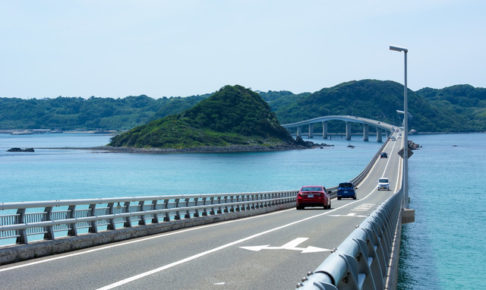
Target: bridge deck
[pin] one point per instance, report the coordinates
(212, 256)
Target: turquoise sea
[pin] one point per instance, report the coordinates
(51, 174)
(444, 249)
(446, 246)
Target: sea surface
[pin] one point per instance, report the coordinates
(53, 174)
(444, 249)
(446, 246)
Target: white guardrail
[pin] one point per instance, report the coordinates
(48, 220)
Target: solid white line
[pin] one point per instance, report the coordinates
(399, 175)
(188, 259)
(388, 159)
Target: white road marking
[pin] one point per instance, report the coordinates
(363, 207)
(349, 215)
(291, 246)
(219, 283)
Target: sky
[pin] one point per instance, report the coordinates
(118, 48)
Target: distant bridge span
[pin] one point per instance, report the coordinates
(345, 118)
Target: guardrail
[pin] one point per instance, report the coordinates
(361, 261)
(48, 220)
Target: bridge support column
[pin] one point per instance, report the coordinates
(365, 132)
(299, 133)
(324, 130)
(311, 130)
(378, 135)
(348, 131)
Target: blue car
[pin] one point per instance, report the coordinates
(346, 190)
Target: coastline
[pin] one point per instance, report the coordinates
(204, 149)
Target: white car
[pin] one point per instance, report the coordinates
(383, 183)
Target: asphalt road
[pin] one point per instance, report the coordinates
(271, 251)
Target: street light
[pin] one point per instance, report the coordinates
(405, 124)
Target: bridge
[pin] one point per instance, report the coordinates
(348, 120)
(227, 241)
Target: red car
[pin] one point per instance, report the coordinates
(313, 195)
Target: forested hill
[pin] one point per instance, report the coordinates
(463, 101)
(377, 100)
(460, 108)
(94, 113)
(233, 115)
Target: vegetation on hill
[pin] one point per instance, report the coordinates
(465, 102)
(233, 115)
(93, 113)
(376, 100)
(460, 108)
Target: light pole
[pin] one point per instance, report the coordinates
(405, 125)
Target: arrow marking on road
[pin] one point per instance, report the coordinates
(292, 246)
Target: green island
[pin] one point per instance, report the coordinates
(232, 119)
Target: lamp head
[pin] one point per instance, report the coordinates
(400, 49)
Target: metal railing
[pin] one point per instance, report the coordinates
(361, 260)
(23, 222)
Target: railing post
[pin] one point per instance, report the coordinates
(233, 207)
(22, 238)
(73, 231)
(205, 212)
(141, 222)
(49, 234)
(93, 226)
(155, 218)
(177, 215)
(196, 211)
(220, 210)
(212, 203)
(166, 206)
(128, 219)
(188, 213)
(111, 223)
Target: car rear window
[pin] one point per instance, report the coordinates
(383, 180)
(347, 184)
(316, 188)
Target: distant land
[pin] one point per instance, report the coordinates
(459, 108)
(233, 117)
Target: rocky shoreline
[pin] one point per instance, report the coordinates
(204, 149)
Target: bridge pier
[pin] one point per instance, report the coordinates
(378, 135)
(365, 132)
(348, 131)
(324, 130)
(311, 129)
(299, 133)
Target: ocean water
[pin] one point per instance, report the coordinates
(52, 174)
(446, 246)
